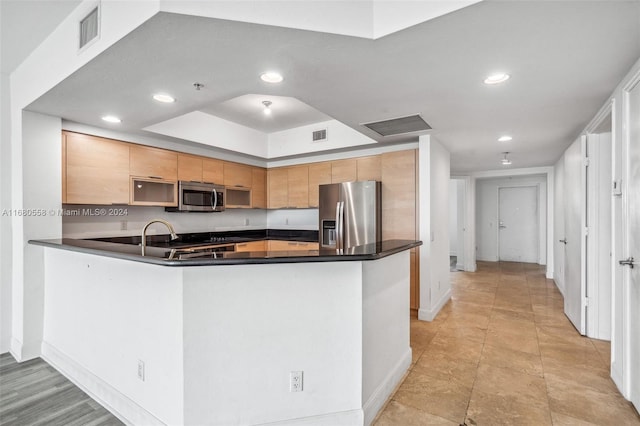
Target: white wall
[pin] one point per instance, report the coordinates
(35, 155)
(558, 223)
(461, 228)
(5, 220)
(40, 145)
(434, 177)
(298, 141)
(487, 214)
(453, 217)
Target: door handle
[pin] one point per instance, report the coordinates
(627, 262)
(563, 241)
(502, 226)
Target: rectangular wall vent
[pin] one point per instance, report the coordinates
(89, 28)
(319, 135)
(399, 126)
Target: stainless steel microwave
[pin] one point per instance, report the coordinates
(199, 197)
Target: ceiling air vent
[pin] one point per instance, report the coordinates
(89, 28)
(399, 126)
(319, 135)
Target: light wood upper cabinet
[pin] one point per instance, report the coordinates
(343, 170)
(237, 175)
(277, 188)
(189, 168)
(369, 168)
(298, 187)
(213, 171)
(258, 188)
(399, 195)
(97, 170)
(319, 174)
(153, 162)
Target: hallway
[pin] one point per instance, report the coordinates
(503, 352)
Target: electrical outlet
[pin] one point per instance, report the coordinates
(141, 370)
(123, 225)
(286, 221)
(246, 221)
(295, 381)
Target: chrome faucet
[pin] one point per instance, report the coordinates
(174, 236)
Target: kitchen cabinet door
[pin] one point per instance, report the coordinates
(369, 168)
(414, 274)
(343, 171)
(252, 246)
(97, 170)
(298, 187)
(277, 183)
(213, 171)
(189, 168)
(399, 195)
(64, 167)
(153, 162)
(319, 174)
(237, 175)
(258, 188)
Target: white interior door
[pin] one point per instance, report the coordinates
(574, 211)
(632, 246)
(518, 224)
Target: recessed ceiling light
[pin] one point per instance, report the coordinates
(111, 119)
(504, 138)
(497, 78)
(163, 97)
(271, 77)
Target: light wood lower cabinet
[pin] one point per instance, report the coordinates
(252, 246)
(414, 280)
(282, 245)
(97, 170)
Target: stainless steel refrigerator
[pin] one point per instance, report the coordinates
(349, 214)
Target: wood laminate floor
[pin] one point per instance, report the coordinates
(502, 352)
(34, 393)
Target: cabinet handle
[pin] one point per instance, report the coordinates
(154, 177)
(242, 245)
(292, 244)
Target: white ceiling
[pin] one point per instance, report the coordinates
(565, 59)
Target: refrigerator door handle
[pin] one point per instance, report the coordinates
(338, 225)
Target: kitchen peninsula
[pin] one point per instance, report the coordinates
(251, 337)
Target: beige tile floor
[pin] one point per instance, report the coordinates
(502, 352)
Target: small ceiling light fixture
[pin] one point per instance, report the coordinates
(267, 107)
(198, 86)
(497, 78)
(271, 77)
(505, 161)
(504, 138)
(163, 97)
(111, 119)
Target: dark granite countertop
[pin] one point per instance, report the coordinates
(161, 254)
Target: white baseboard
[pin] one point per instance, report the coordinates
(379, 397)
(430, 314)
(24, 352)
(342, 418)
(460, 266)
(116, 402)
